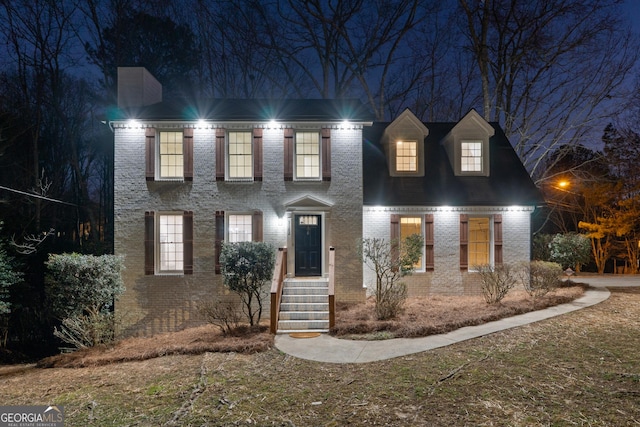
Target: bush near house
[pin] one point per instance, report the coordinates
(540, 277)
(496, 281)
(80, 291)
(246, 268)
(390, 261)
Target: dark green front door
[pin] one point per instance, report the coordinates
(308, 235)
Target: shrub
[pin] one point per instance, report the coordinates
(390, 261)
(496, 281)
(540, 277)
(224, 315)
(81, 290)
(570, 250)
(246, 267)
(87, 330)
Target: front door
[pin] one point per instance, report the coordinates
(308, 245)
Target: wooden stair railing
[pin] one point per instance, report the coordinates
(332, 287)
(279, 273)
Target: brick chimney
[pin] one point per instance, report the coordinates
(137, 88)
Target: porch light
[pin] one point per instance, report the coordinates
(272, 124)
(133, 123)
(201, 124)
(345, 124)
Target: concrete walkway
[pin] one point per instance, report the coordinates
(326, 348)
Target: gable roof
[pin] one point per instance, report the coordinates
(509, 183)
(230, 110)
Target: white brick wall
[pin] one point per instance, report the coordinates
(446, 277)
(154, 304)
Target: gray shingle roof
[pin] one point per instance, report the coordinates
(291, 110)
(508, 184)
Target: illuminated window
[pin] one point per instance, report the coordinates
(240, 228)
(471, 156)
(307, 148)
(171, 155)
(407, 156)
(410, 226)
(171, 244)
(240, 155)
(479, 241)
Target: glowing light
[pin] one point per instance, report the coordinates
(273, 124)
(563, 184)
(201, 124)
(345, 124)
(133, 123)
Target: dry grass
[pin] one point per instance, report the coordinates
(440, 314)
(422, 317)
(578, 369)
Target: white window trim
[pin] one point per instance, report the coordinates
(227, 227)
(491, 242)
(422, 267)
(295, 155)
(227, 160)
(157, 252)
(158, 160)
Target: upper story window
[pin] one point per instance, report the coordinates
(171, 154)
(240, 228)
(240, 155)
(307, 149)
(407, 156)
(471, 156)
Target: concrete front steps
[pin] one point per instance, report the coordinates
(304, 306)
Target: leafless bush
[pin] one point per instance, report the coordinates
(224, 315)
(540, 277)
(496, 281)
(390, 300)
(87, 330)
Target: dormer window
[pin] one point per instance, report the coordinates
(467, 145)
(403, 141)
(471, 156)
(407, 156)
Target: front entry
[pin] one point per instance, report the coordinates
(308, 235)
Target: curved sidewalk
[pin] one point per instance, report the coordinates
(326, 348)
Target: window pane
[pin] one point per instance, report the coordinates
(240, 228)
(407, 156)
(171, 243)
(171, 157)
(408, 227)
(307, 155)
(471, 157)
(479, 241)
(240, 156)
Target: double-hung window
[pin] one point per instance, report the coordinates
(406, 156)
(471, 156)
(240, 155)
(240, 228)
(171, 155)
(410, 225)
(168, 242)
(479, 241)
(307, 149)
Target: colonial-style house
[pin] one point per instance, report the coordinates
(312, 177)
